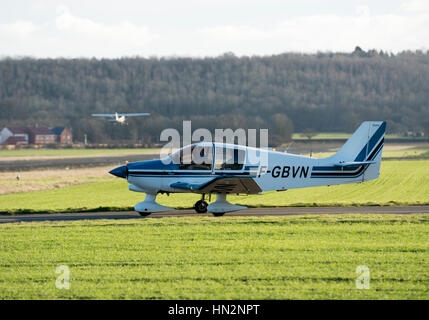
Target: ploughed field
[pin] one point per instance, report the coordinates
(298, 257)
(402, 182)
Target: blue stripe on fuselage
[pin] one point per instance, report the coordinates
(318, 172)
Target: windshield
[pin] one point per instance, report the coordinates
(194, 157)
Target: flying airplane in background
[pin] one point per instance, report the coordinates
(208, 168)
(119, 117)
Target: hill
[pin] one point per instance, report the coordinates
(289, 92)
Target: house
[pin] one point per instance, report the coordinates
(41, 135)
(16, 140)
(63, 134)
(14, 135)
(35, 135)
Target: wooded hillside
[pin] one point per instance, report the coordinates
(284, 93)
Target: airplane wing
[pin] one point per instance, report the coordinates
(112, 115)
(105, 115)
(230, 184)
(134, 114)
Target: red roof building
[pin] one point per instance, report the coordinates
(35, 135)
(64, 135)
(16, 140)
(41, 135)
(8, 132)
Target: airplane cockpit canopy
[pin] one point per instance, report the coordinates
(194, 157)
(229, 158)
(206, 155)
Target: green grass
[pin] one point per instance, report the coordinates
(340, 135)
(412, 152)
(407, 153)
(73, 152)
(306, 257)
(400, 183)
(322, 135)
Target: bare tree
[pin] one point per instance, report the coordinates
(309, 133)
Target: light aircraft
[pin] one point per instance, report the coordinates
(358, 160)
(119, 117)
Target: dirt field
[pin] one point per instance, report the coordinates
(38, 180)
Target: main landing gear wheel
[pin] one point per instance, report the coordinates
(144, 214)
(218, 214)
(201, 206)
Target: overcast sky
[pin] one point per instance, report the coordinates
(106, 28)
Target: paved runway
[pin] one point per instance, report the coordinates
(191, 213)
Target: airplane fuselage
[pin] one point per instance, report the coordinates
(221, 169)
(283, 171)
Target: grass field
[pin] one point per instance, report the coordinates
(338, 135)
(307, 257)
(404, 182)
(389, 151)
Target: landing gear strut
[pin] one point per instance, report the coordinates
(149, 205)
(201, 205)
(220, 206)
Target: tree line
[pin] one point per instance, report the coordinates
(327, 92)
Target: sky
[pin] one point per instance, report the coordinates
(198, 28)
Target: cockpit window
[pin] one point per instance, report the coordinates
(229, 158)
(194, 157)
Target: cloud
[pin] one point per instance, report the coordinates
(413, 6)
(124, 37)
(327, 32)
(70, 36)
(18, 29)
(64, 33)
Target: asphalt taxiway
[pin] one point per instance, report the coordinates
(254, 212)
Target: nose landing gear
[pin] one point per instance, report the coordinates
(149, 205)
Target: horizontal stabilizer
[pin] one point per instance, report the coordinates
(353, 163)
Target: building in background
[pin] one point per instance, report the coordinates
(41, 135)
(35, 135)
(14, 135)
(64, 135)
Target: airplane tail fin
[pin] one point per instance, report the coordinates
(363, 148)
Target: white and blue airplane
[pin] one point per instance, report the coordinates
(120, 118)
(357, 161)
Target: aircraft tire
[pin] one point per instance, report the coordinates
(218, 214)
(201, 206)
(144, 214)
